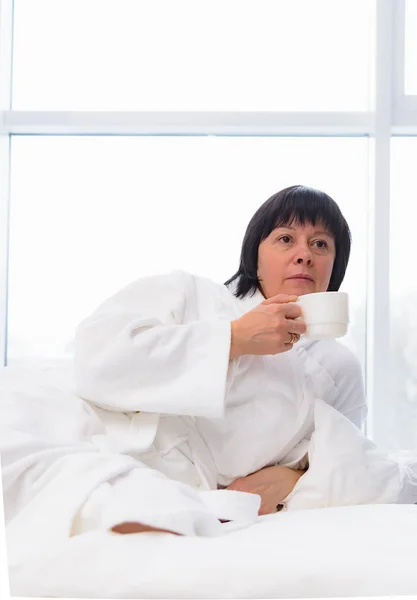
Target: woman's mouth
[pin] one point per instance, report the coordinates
(302, 278)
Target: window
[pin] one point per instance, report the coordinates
(160, 55)
(411, 47)
(124, 120)
(134, 206)
(398, 416)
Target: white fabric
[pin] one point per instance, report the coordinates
(346, 468)
(58, 485)
(334, 552)
(161, 345)
(53, 471)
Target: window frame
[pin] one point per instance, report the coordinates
(404, 105)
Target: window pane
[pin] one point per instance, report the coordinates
(397, 421)
(411, 47)
(186, 55)
(91, 214)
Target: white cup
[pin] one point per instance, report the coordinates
(326, 314)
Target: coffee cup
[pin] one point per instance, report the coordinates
(326, 314)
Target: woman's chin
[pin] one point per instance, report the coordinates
(299, 288)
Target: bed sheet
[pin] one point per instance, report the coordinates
(343, 551)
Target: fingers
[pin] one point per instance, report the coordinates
(296, 326)
(235, 485)
(290, 323)
(289, 310)
(293, 339)
(280, 299)
(292, 311)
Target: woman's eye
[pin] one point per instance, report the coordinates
(321, 244)
(285, 238)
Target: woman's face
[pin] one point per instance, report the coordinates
(296, 259)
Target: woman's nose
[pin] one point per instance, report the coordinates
(301, 261)
(303, 256)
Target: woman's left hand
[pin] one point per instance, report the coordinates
(273, 484)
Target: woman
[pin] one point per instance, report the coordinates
(213, 378)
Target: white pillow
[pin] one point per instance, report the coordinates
(346, 468)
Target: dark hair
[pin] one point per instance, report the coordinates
(295, 204)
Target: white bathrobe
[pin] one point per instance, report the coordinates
(161, 346)
(158, 418)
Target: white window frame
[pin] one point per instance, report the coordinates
(6, 43)
(404, 106)
(394, 113)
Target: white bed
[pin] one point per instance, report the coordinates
(347, 551)
(316, 548)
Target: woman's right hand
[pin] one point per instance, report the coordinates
(267, 328)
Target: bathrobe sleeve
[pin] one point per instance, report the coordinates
(350, 400)
(342, 372)
(144, 350)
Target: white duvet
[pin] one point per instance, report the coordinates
(343, 531)
(346, 551)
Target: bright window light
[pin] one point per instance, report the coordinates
(411, 47)
(396, 419)
(91, 214)
(239, 55)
